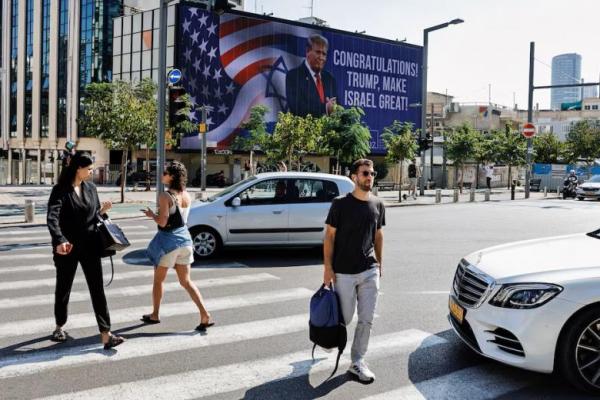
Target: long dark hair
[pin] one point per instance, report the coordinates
(68, 173)
(178, 174)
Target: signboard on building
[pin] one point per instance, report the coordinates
(238, 60)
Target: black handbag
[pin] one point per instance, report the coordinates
(112, 239)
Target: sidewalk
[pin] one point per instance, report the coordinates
(12, 200)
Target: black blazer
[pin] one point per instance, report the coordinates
(301, 91)
(72, 218)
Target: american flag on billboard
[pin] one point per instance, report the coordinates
(232, 63)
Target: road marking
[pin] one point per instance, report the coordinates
(25, 231)
(47, 238)
(43, 299)
(51, 282)
(40, 361)
(470, 383)
(84, 320)
(430, 292)
(29, 246)
(228, 378)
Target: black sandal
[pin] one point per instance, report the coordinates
(59, 336)
(202, 327)
(147, 320)
(113, 341)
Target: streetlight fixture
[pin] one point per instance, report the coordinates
(426, 31)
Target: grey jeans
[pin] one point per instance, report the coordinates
(359, 292)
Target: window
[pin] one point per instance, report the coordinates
(137, 22)
(595, 107)
(587, 107)
(313, 191)
(273, 191)
(147, 25)
(136, 40)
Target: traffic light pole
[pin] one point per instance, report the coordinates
(529, 117)
(431, 148)
(203, 164)
(162, 94)
(423, 109)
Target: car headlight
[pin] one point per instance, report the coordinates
(525, 296)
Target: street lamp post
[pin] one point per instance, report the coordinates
(162, 94)
(424, 88)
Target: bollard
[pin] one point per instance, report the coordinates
(29, 210)
(487, 194)
(438, 195)
(545, 191)
(557, 192)
(472, 195)
(456, 195)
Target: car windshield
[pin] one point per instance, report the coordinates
(595, 179)
(231, 188)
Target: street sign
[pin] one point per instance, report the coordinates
(528, 130)
(174, 76)
(202, 127)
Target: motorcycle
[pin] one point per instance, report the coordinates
(569, 187)
(218, 179)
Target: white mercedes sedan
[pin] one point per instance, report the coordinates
(533, 304)
(271, 209)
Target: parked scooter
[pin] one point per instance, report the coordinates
(570, 185)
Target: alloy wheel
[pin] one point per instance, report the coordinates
(587, 354)
(205, 243)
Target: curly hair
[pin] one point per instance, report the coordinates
(178, 173)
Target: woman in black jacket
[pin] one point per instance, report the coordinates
(73, 211)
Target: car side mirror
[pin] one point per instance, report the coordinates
(236, 202)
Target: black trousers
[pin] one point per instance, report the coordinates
(488, 181)
(66, 266)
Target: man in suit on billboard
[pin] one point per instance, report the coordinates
(309, 88)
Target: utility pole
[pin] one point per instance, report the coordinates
(431, 148)
(529, 117)
(162, 94)
(202, 129)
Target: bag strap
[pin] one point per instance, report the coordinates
(337, 362)
(112, 272)
(313, 351)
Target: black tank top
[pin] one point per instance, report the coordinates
(175, 220)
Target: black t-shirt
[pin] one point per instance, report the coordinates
(356, 222)
(412, 171)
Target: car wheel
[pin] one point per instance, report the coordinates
(206, 242)
(579, 351)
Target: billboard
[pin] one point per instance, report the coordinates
(237, 60)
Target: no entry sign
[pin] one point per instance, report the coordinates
(529, 130)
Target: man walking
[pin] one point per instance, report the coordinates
(353, 249)
(413, 175)
(489, 174)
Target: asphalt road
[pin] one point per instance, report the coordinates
(259, 348)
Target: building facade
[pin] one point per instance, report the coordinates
(566, 69)
(51, 49)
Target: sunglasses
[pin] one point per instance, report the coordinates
(369, 173)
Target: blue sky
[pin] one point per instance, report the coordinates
(491, 47)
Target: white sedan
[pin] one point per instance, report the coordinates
(271, 209)
(589, 189)
(533, 304)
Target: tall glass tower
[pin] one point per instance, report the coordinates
(566, 69)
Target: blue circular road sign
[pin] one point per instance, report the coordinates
(174, 76)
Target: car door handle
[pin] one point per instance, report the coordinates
(277, 212)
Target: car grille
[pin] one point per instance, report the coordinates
(470, 286)
(507, 342)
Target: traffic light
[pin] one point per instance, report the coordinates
(176, 104)
(426, 142)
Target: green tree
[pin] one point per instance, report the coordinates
(461, 146)
(294, 136)
(547, 148)
(120, 114)
(513, 150)
(258, 138)
(583, 142)
(400, 143)
(345, 136)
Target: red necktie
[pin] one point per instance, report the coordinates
(320, 87)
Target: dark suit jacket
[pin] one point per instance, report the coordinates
(73, 219)
(301, 91)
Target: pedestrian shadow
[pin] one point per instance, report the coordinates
(21, 246)
(297, 385)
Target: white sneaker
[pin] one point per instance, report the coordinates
(362, 372)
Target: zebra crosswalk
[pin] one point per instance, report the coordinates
(259, 348)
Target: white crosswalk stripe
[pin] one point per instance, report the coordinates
(51, 282)
(38, 300)
(469, 383)
(49, 247)
(228, 378)
(46, 238)
(133, 314)
(25, 232)
(150, 346)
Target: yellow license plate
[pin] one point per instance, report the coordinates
(457, 311)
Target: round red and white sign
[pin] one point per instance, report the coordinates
(528, 130)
